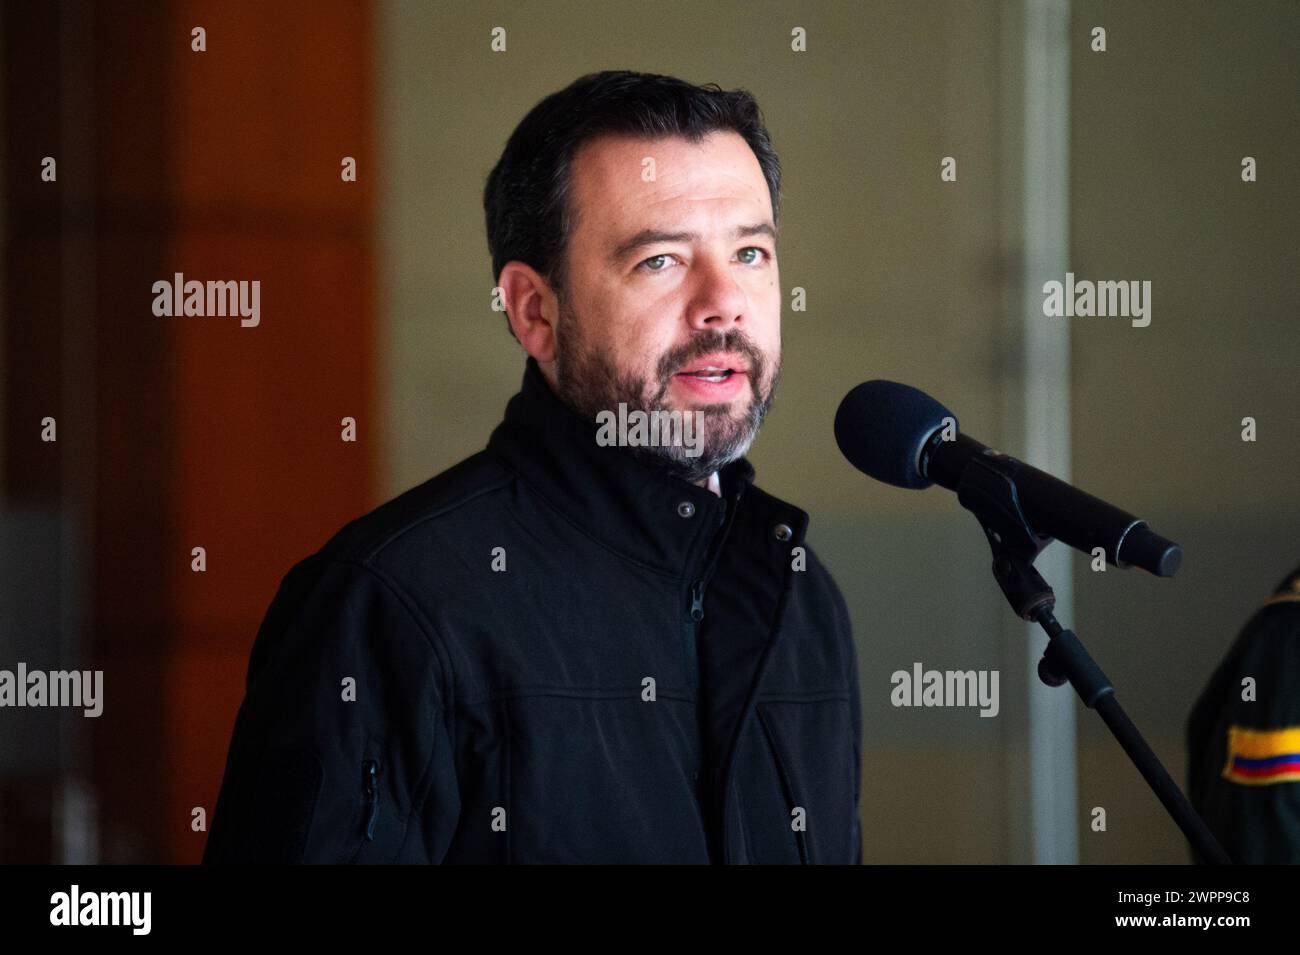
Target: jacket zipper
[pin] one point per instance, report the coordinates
(697, 588)
(370, 774)
(697, 601)
(696, 615)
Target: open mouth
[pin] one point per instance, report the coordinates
(709, 374)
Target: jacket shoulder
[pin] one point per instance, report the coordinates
(1269, 651)
(361, 540)
(824, 581)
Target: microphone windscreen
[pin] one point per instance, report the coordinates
(881, 427)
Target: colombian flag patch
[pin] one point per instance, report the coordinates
(1260, 757)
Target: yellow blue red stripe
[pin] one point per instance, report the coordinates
(1261, 757)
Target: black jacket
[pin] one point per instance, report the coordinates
(1243, 770)
(559, 655)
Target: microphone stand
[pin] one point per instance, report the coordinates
(992, 497)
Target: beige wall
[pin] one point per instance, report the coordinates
(1160, 124)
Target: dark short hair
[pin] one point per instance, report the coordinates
(527, 192)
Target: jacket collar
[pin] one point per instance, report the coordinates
(629, 507)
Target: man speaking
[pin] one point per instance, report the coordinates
(579, 645)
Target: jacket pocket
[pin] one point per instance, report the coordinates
(800, 808)
(795, 810)
(371, 797)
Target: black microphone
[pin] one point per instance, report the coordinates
(902, 436)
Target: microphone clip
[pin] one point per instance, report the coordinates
(992, 497)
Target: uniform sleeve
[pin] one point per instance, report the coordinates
(341, 750)
(1249, 788)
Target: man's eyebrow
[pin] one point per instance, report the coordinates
(653, 236)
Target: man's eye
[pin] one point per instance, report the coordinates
(754, 248)
(654, 258)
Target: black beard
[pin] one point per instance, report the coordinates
(589, 383)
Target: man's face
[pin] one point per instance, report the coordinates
(672, 298)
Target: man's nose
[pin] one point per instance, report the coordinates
(719, 301)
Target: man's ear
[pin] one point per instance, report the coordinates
(532, 309)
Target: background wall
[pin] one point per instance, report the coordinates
(1160, 124)
(173, 432)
